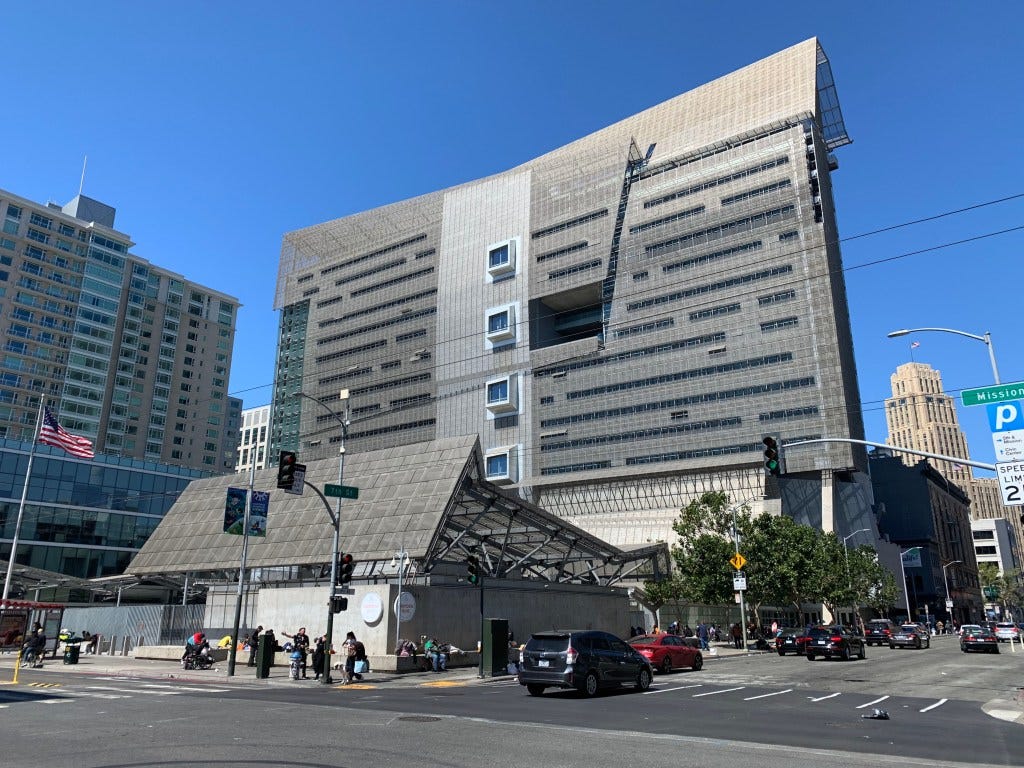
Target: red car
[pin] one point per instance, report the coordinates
(668, 652)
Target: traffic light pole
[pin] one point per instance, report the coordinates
(233, 652)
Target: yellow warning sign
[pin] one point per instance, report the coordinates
(738, 561)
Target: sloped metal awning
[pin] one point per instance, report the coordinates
(513, 538)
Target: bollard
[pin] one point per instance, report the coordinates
(126, 643)
(113, 645)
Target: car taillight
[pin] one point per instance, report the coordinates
(570, 656)
(886, 632)
(837, 638)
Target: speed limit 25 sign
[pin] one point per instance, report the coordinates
(1011, 482)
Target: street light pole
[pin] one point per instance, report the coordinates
(399, 559)
(849, 578)
(986, 340)
(336, 522)
(945, 583)
(736, 546)
(903, 573)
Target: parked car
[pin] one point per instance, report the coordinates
(668, 652)
(1007, 631)
(974, 637)
(910, 636)
(878, 631)
(835, 642)
(587, 660)
(791, 641)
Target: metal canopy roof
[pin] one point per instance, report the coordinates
(427, 499)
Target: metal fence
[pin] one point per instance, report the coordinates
(142, 624)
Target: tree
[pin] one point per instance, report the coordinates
(782, 562)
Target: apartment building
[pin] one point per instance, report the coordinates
(254, 439)
(620, 320)
(130, 354)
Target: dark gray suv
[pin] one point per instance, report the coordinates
(587, 660)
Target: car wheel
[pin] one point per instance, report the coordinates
(862, 654)
(781, 652)
(995, 649)
(917, 644)
(810, 657)
(892, 646)
(534, 689)
(845, 655)
(666, 666)
(963, 649)
(928, 643)
(591, 684)
(698, 663)
(643, 679)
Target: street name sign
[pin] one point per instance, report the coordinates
(997, 393)
(1011, 482)
(341, 491)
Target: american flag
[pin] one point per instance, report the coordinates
(915, 344)
(52, 433)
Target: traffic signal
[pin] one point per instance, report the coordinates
(339, 604)
(772, 455)
(473, 569)
(346, 564)
(286, 470)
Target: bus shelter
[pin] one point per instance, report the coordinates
(17, 617)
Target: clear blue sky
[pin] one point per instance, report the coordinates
(216, 127)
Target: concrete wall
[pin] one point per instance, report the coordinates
(447, 612)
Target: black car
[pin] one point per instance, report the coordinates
(835, 642)
(911, 636)
(586, 660)
(791, 641)
(879, 632)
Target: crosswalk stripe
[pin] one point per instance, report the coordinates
(183, 688)
(876, 701)
(715, 693)
(766, 695)
(830, 696)
(938, 703)
(679, 688)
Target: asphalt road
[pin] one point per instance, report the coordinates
(736, 712)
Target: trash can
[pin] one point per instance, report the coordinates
(264, 658)
(71, 653)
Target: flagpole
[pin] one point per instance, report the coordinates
(21, 506)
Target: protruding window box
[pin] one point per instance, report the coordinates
(503, 394)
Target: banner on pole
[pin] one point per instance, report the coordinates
(234, 511)
(259, 510)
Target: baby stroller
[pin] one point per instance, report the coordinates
(296, 665)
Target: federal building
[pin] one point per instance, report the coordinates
(619, 321)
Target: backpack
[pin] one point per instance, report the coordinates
(360, 651)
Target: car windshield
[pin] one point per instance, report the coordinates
(909, 627)
(970, 628)
(644, 640)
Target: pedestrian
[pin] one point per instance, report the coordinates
(355, 651)
(737, 635)
(687, 630)
(319, 655)
(254, 641)
(300, 643)
(702, 636)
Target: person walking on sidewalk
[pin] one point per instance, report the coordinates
(300, 643)
(355, 651)
(703, 636)
(737, 635)
(254, 641)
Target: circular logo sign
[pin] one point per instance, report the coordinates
(405, 606)
(372, 608)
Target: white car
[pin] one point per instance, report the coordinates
(1007, 631)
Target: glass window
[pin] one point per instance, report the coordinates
(497, 322)
(497, 466)
(497, 391)
(498, 257)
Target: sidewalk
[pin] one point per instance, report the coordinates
(129, 666)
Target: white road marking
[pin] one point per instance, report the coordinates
(766, 695)
(181, 688)
(52, 701)
(876, 701)
(830, 696)
(680, 688)
(938, 703)
(713, 693)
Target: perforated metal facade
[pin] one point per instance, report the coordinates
(640, 305)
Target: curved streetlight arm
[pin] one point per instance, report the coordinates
(986, 339)
(859, 530)
(344, 422)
